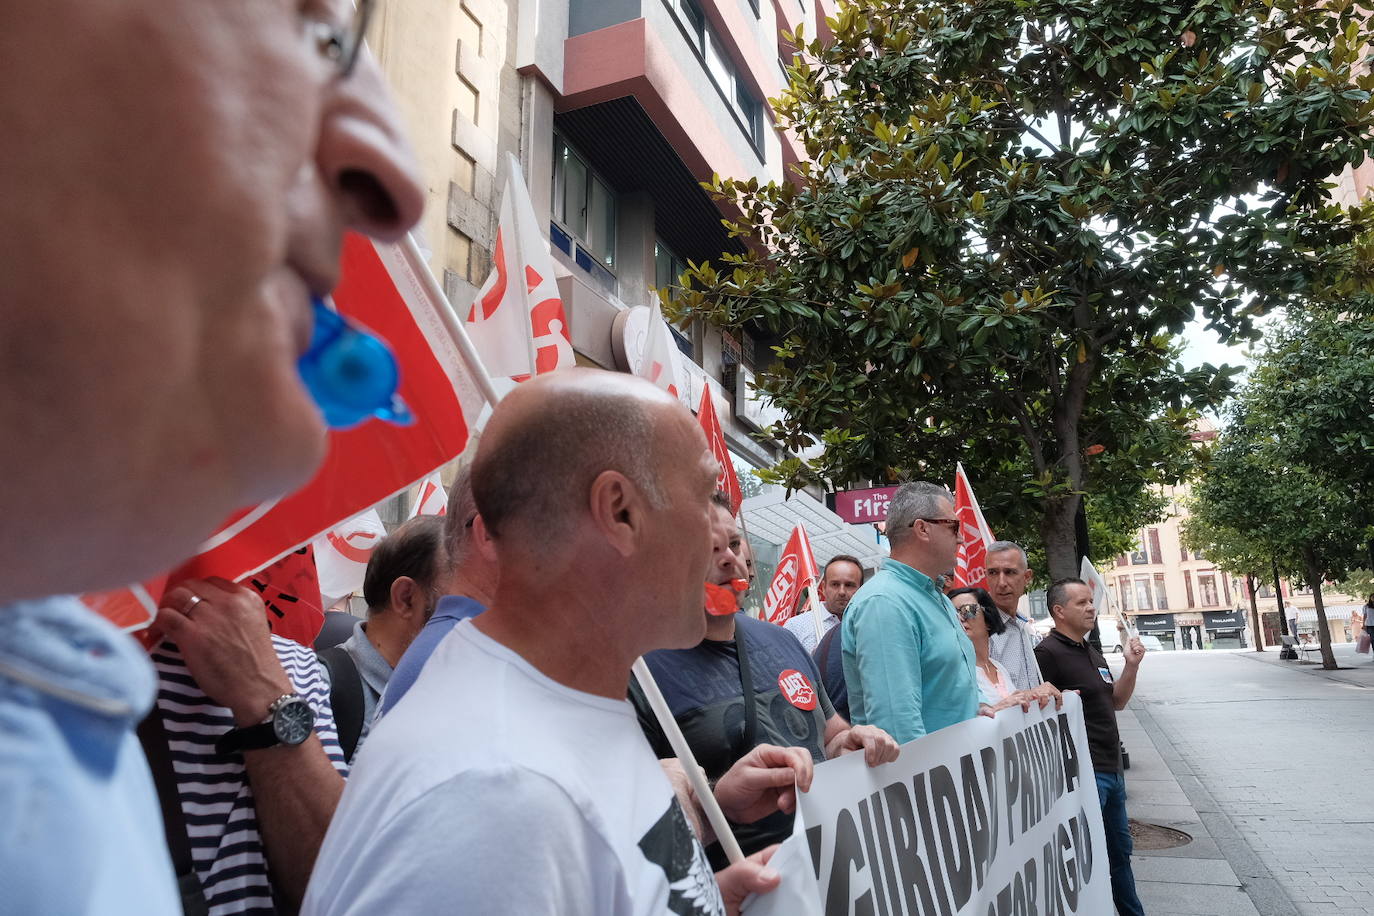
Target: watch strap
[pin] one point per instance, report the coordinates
(247, 738)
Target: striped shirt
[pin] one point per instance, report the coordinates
(1014, 648)
(216, 799)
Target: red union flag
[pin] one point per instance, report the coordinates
(970, 563)
(381, 289)
(726, 481)
(796, 571)
(518, 323)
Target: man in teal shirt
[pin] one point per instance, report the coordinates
(907, 663)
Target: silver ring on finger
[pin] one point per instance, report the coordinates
(195, 600)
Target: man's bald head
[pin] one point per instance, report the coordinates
(552, 436)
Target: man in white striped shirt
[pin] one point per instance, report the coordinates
(1009, 575)
(254, 816)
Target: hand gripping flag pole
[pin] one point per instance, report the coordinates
(695, 776)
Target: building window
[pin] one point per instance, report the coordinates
(1124, 587)
(668, 267)
(1138, 556)
(1207, 589)
(1152, 538)
(1161, 593)
(1142, 594)
(583, 204)
(743, 104)
(1188, 586)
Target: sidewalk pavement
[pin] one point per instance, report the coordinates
(1354, 669)
(1191, 880)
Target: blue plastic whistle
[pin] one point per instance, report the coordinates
(351, 374)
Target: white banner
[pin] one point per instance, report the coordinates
(992, 817)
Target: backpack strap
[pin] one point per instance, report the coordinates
(153, 736)
(345, 696)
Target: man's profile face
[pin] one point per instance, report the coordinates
(1008, 579)
(945, 538)
(186, 172)
(680, 557)
(842, 579)
(727, 548)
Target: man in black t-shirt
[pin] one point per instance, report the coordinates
(1068, 662)
(787, 704)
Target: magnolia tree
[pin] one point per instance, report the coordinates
(1010, 206)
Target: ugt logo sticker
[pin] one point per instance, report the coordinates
(797, 688)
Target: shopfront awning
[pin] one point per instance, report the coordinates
(1154, 623)
(1223, 620)
(772, 516)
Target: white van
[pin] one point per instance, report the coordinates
(1111, 637)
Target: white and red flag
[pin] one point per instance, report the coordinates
(796, 572)
(658, 362)
(518, 323)
(970, 563)
(432, 498)
(726, 481)
(381, 287)
(342, 552)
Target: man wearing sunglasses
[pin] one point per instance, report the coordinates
(907, 664)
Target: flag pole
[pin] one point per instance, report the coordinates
(724, 835)
(456, 332)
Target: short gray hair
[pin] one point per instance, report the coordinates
(917, 499)
(1000, 546)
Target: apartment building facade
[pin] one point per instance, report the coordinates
(1163, 589)
(616, 110)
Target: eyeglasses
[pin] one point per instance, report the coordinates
(343, 43)
(953, 523)
(968, 611)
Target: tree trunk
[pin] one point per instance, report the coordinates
(1250, 582)
(1057, 531)
(1278, 597)
(1314, 579)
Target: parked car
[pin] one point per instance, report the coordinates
(1151, 643)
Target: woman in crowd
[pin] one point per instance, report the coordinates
(981, 619)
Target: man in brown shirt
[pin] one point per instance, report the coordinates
(1069, 662)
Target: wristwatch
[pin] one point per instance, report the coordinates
(289, 721)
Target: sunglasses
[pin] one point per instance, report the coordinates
(968, 611)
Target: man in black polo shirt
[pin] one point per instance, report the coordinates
(1068, 662)
(787, 704)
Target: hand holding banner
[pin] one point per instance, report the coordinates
(990, 817)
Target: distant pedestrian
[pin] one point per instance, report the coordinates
(1368, 611)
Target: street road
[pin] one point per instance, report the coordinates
(1287, 755)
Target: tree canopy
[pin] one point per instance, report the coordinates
(1291, 476)
(1010, 206)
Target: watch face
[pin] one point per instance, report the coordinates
(293, 720)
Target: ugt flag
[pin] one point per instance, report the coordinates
(796, 571)
(726, 481)
(380, 288)
(432, 498)
(970, 563)
(517, 323)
